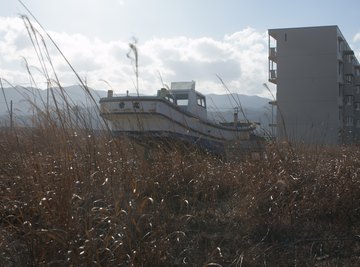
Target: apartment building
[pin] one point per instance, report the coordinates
(317, 77)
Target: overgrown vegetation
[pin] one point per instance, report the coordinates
(73, 196)
(78, 198)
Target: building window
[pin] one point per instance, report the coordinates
(357, 71)
(357, 106)
(349, 99)
(339, 44)
(341, 90)
(357, 123)
(349, 58)
(349, 121)
(357, 89)
(340, 113)
(348, 78)
(341, 68)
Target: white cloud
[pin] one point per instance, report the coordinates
(356, 37)
(356, 45)
(121, 2)
(240, 59)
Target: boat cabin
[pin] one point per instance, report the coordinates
(184, 95)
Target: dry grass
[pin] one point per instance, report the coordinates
(76, 198)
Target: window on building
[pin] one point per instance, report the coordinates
(349, 99)
(349, 121)
(339, 44)
(357, 106)
(357, 123)
(341, 89)
(349, 58)
(348, 78)
(341, 68)
(357, 89)
(340, 113)
(357, 71)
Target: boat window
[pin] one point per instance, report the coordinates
(182, 102)
(201, 100)
(164, 93)
(169, 98)
(182, 99)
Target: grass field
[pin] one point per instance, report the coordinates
(73, 198)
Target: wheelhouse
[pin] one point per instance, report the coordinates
(184, 95)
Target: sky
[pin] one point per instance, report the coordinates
(176, 40)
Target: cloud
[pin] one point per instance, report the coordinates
(229, 70)
(240, 59)
(356, 45)
(356, 37)
(13, 38)
(121, 2)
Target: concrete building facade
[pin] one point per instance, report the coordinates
(318, 85)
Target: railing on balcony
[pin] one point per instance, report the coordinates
(357, 74)
(349, 68)
(272, 53)
(340, 101)
(272, 76)
(357, 80)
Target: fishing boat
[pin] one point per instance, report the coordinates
(175, 113)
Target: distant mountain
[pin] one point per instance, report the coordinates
(220, 107)
(24, 98)
(222, 101)
(255, 108)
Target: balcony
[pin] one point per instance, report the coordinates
(357, 74)
(357, 80)
(349, 68)
(273, 76)
(348, 90)
(340, 101)
(272, 53)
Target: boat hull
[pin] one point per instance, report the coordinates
(144, 117)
